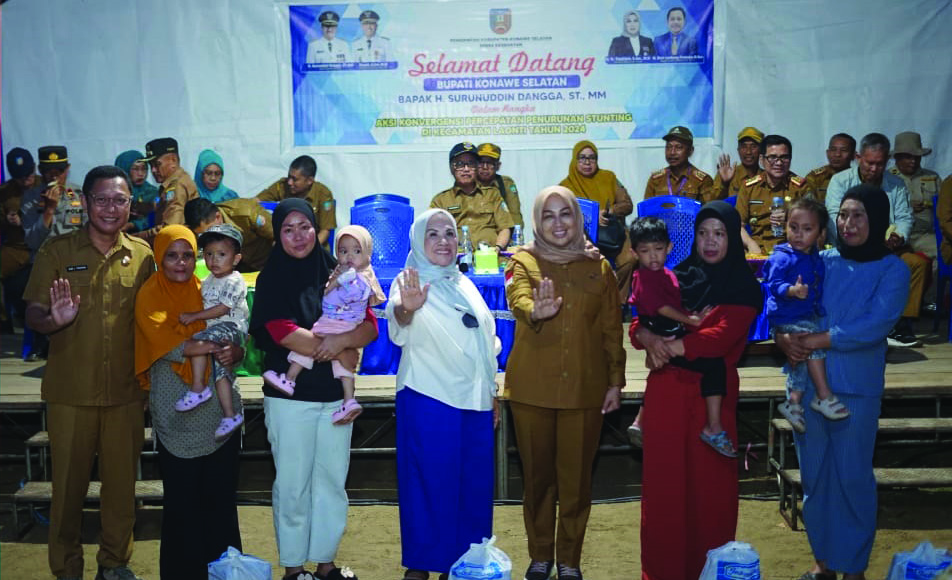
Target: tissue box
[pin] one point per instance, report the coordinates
(486, 261)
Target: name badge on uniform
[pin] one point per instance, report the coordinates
(453, 208)
(756, 202)
(77, 268)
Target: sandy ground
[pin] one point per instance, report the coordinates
(371, 546)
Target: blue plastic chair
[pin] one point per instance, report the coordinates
(268, 205)
(943, 274)
(731, 200)
(382, 197)
(388, 220)
(678, 214)
(590, 215)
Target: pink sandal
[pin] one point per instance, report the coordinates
(347, 413)
(279, 382)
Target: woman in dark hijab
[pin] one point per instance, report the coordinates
(311, 454)
(864, 293)
(689, 501)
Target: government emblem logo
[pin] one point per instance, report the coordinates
(500, 20)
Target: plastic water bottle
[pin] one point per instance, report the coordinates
(777, 206)
(466, 251)
(516, 237)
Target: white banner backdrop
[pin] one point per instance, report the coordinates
(102, 76)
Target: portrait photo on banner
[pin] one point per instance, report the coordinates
(425, 74)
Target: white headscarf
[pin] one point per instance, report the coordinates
(449, 286)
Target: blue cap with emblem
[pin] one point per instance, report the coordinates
(329, 18)
(20, 163)
(461, 148)
(369, 16)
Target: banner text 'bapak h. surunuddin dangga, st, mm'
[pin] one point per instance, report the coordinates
(432, 73)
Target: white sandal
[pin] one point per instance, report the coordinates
(831, 408)
(793, 412)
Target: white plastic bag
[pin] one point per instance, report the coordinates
(482, 562)
(732, 561)
(233, 565)
(925, 562)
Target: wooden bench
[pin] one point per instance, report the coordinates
(39, 492)
(41, 441)
(790, 483)
(789, 480)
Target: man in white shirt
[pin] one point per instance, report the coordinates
(328, 48)
(370, 47)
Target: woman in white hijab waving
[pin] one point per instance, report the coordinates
(446, 405)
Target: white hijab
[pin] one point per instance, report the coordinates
(449, 286)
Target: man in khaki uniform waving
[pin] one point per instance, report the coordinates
(82, 294)
(176, 188)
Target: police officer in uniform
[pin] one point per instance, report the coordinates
(756, 195)
(54, 206)
(479, 207)
(176, 187)
(246, 214)
(732, 176)
(328, 48)
(371, 47)
(82, 294)
(923, 185)
(486, 174)
(680, 177)
(300, 183)
(839, 153)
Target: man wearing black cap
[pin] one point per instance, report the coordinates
(748, 150)
(176, 187)
(755, 198)
(487, 176)
(370, 47)
(300, 183)
(14, 252)
(680, 177)
(328, 48)
(22, 171)
(477, 207)
(54, 206)
(839, 153)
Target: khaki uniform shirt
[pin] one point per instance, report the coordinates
(483, 212)
(570, 360)
(818, 181)
(944, 214)
(754, 201)
(694, 184)
(510, 195)
(923, 185)
(177, 190)
(70, 215)
(254, 223)
(733, 187)
(91, 361)
(320, 198)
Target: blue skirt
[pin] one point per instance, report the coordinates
(445, 480)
